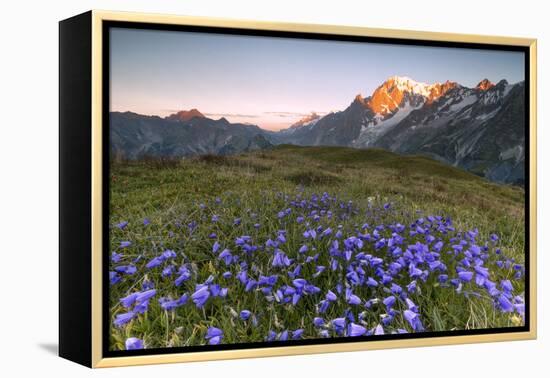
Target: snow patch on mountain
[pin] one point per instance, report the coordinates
(468, 100)
(515, 153)
(377, 127)
(483, 117)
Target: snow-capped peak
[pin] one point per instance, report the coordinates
(389, 96)
(485, 84)
(406, 84)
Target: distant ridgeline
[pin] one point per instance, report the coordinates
(479, 129)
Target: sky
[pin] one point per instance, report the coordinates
(273, 82)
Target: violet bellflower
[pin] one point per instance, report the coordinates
(133, 343)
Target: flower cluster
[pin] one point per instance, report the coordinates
(316, 267)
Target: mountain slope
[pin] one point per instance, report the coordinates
(478, 129)
(134, 136)
(185, 115)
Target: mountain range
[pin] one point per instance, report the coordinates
(479, 129)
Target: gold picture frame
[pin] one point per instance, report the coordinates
(93, 24)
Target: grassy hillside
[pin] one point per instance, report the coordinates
(368, 202)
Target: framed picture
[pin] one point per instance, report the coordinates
(235, 189)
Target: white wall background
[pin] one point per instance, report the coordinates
(28, 186)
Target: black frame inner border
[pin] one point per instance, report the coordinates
(106, 27)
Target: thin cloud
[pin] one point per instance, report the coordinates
(254, 116)
(293, 114)
(216, 114)
(170, 110)
(232, 115)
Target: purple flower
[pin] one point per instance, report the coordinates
(297, 334)
(379, 330)
(271, 336)
(389, 301)
(122, 319)
(200, 296)
(465, 276)
(214, 335)
(154, 262)
(414, 320)
(250, 285)
(303, 249)
(411, 305)
(331, 296)
(352, 298)
(396, 289)
(371, 282)
(183, 300)
(339, 324)
(326, 232)
(215, 247)
(323, 306)
(115, 257)
(310, 234)
(184, 275)
(242, 240)
(268, 280)
(168, 254)
(146, 295)
(356, 330)
(311, 289)
(166, 272)
(114, 278)
(125, 244)
(126, 269)
(133, 343)
(129, 300)
(280, 259)
(147, 285)
(318, 322)
(506, 286)
(226, 256)
(505, 304)
(245, 314)
(167, 304)
(122, 225)
(227, 275)
(482, 271)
